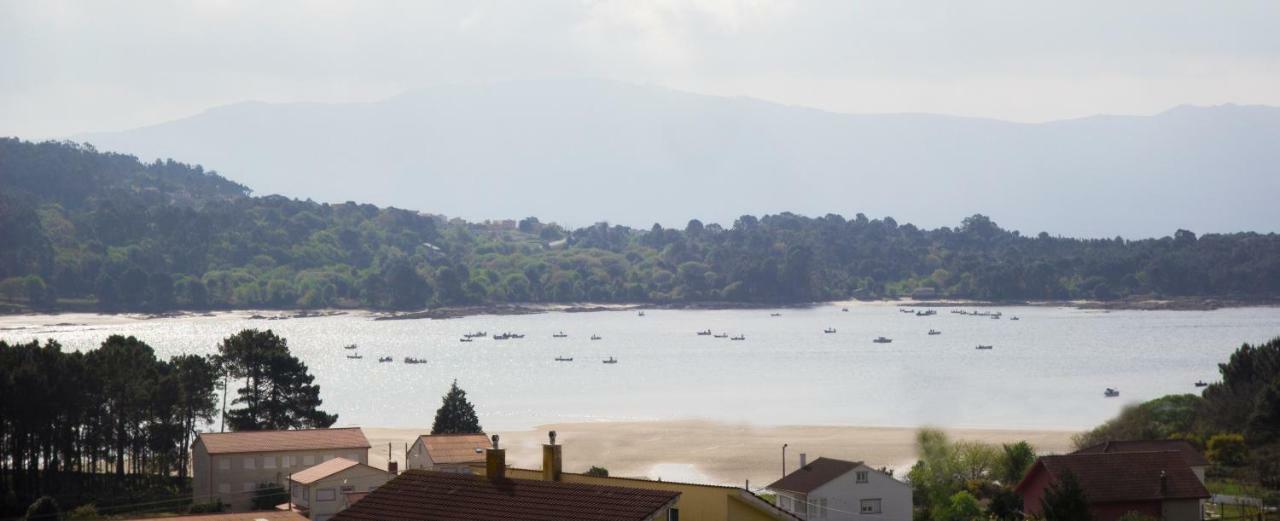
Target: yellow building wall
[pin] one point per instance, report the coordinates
(696, 502)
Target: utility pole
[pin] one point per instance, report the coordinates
(784, 460)
(225, 375)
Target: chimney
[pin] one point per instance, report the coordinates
(804, 459)
(393, 467)
(1164, 483)
(551, 461)
(495, 462)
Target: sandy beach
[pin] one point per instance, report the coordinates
(712, 452)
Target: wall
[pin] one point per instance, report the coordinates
(360, 478)
(844, 497)
(211, 481)
(696, 502)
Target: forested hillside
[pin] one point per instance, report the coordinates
(106, 231)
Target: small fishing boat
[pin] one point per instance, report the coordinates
(905, 310)
(595, 337)
(844, 310)
(559, 335)
(465, 339)
(926, 313)
(984, 347)
(704, 333)
(355, 356)
(934, 332)
(775, 314)
(610, 360)
(1015, 317)
(721, 335)
(1201, 383)
(349, 346)
(995, 317)
(739, 337)
(882, 340)
(640, 314)
(385, 359)
(1111, 393)
(829, 330)
(478, 334)
(564, 359)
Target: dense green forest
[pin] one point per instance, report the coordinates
(105, 231)
(113, 426)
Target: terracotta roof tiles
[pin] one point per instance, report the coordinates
(277, 441)
(809, 477)
(455, 448)
(441, 496)
(1125, 476)
(1193, 456)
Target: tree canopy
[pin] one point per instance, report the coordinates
(111, 233)
(278, 392)
(456, 415)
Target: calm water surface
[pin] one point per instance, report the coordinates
(1047, 370)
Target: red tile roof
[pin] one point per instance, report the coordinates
(1124, 476)
(442, 496)
(318, 472)
(809, 477)
(455, 448)
(277, 441)
(269, 515)
(1193, 456)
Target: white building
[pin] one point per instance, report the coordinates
(837, 489)
(330, 487)
(447, 452)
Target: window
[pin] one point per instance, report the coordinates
(871, 506)
(327, 457)
(224, 488)
(224, 463)
(821, 503)
(308, 460)
(785, 503)
(802, 506)
(306, 493)
(287, 461)
(248, 462)
(673, 514)
(269, 462)
(861, 475)
(326, 494)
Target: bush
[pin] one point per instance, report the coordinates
(600, 472)
(44, 509)
(212, 507)
(1228, 450)
(268, 495)
(84, 512)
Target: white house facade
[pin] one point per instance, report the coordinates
(843, 490)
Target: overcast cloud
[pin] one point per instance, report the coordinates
(70, 67)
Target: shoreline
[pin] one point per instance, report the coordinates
(444, 313)
(711, 452)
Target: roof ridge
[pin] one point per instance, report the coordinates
(278, 430)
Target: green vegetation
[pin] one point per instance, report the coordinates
(105, 231)
(602, 472)
(952, 478)
(1065, 500)
(456, 415)
(113, 426)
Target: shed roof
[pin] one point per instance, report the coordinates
(455, 448)
(1188, 451)
(1124, 476)
(442, 496)
(278, 441)
(809, 477)
(325, 469)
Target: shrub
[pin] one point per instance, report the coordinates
(44, 509)
(84, 512)
(598, 472)
(1228, 450)
(212, 507)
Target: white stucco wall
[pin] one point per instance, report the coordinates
(844, 497)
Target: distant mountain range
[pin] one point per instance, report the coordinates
(581, 151)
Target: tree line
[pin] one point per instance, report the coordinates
(107, 232)
(114, 425)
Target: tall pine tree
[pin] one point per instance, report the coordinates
(278, 392)
(456, 415)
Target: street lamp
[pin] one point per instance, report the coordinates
(784, 460)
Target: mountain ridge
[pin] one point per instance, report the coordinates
(580, 151)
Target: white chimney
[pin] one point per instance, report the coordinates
(804, 459)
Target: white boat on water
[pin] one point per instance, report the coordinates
(882, 340)
(1111, 393)
(610, 360)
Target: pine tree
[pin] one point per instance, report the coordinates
(1065, 500)
(278, 392)
(456, 414)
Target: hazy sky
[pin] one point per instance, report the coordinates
(69, 67)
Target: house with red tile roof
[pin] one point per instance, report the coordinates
(447, 452)
(1198, 463)
(231, 466)
(836, 489)
(1159, 484)
(321, 491)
